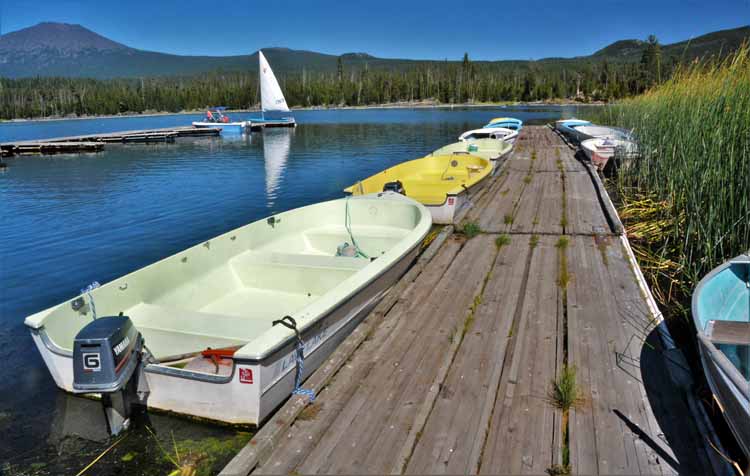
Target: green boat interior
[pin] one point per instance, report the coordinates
(227, 291)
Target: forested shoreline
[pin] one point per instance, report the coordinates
(438, 82)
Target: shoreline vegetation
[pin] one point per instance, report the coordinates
(394, 105)
(445, 83)
(685, 203)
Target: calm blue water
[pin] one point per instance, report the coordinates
(69, 220)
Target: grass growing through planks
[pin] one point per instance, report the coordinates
(565, 393)
(508, 219)
(471, 229)
(686, 202)
(563, 277)
(533, 241)
(502, 240)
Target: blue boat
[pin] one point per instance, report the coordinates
(215, 118)
(505, 122)
(566, 126)
(721, 313)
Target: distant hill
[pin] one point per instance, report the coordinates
(60, 49)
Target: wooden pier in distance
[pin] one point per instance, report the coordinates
(452, 372)
(96, 142)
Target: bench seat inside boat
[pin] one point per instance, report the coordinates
(729, 332)
(265, 286)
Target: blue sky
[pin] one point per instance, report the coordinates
(419, 29)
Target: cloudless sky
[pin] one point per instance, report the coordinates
(421, 29)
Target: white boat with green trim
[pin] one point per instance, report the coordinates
(205, 315)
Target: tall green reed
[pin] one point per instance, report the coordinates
(694, 133)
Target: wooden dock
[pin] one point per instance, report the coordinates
(96, 142)
(452, 372)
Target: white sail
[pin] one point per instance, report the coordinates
(276, 144)
(271, 97)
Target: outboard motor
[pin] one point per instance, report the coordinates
(396, 186)
(106, 354)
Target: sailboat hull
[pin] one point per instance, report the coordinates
(258, 124)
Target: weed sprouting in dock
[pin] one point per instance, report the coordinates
(565, 393)
(508, 219)
(471, 229)
(533, 241)
(502, 240)
(563, 277)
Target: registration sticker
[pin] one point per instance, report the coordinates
(246, 375)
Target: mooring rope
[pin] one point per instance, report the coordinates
(87, 291)
(290, 323)
(348, 225)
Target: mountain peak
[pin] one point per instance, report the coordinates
(64, 37)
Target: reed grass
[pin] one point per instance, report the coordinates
(686, 202)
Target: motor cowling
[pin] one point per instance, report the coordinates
(396, 186)
(106, 355)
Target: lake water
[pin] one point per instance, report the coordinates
(68, 220)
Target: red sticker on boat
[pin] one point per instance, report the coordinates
(450, 200)
(246, 375)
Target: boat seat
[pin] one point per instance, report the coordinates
(729, 332)
(171, 331)
(299, 260)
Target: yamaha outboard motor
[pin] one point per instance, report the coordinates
(106, 354)
(396, 186)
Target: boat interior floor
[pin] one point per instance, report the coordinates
(238, 301)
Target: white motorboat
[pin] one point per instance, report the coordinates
(500, 133)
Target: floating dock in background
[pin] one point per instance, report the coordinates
(453, 371)
(96, 142)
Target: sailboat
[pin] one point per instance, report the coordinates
(271, 99)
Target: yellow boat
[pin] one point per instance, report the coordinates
(443, 183)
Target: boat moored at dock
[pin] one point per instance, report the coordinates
(600, 150)
(592, 131)
(505, 122)
(200, 325)
(721, 313)
(496, 133)
(490, 149)
(566, 126)
(442, 183)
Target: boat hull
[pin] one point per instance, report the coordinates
(230, 399)
(734, 406)
(233, 127)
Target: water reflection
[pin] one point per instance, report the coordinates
(276, 145)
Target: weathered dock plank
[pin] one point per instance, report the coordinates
(522, 434)
(495, 212)
(584, 212)
(454, 435)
